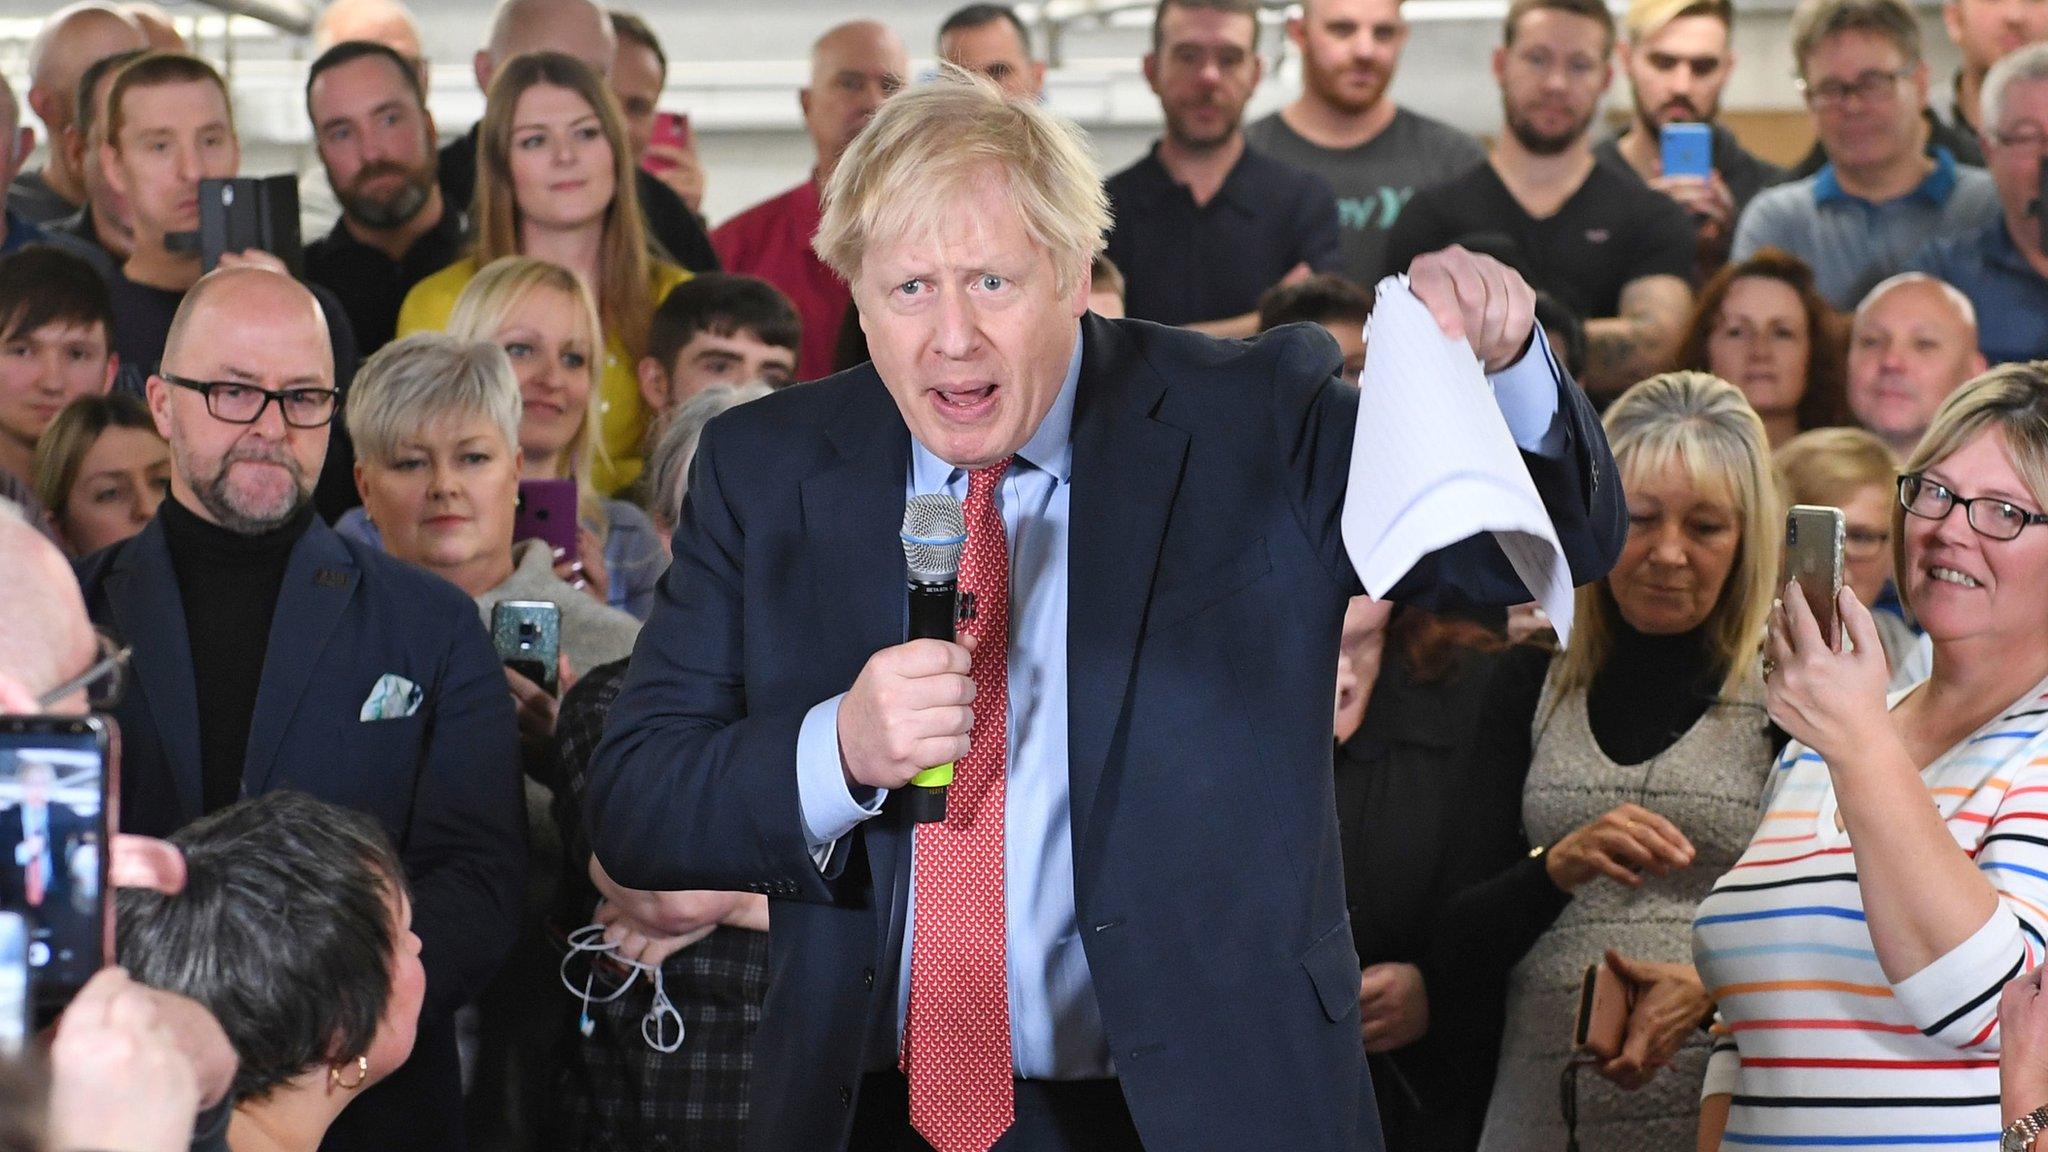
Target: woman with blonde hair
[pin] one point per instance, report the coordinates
(101, 468)
(1851, 469)
(555, 181)
(544, 318)
(1622, 775)
(1900, 874)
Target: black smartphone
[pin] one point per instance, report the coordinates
(250, 212)
(528, 636)
(1814, 536)
(58, 792)
(17, 1007)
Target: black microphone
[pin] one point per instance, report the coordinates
(934, 531)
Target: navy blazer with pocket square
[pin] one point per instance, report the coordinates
(444, 781)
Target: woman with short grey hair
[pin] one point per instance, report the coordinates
(668, 466)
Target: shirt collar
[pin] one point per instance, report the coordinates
(1939, 185)
(1158, 183)
(1050, 449)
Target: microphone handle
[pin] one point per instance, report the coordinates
(933, 608)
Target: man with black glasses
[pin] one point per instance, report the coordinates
(270, 653)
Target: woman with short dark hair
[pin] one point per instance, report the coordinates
(294, 930)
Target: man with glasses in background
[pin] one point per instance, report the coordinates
(270, 653)
(1882, 193)
(2001, 266)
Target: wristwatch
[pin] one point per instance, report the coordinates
(2021, 1134)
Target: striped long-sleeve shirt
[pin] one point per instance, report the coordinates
(1818, 1048)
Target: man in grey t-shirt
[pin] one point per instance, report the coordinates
(1374, 154)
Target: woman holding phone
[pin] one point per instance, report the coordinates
(1621, 776)
(555, 182)
(1899, 878)
(545, 320)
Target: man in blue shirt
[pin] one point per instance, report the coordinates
(1151, 926)
(2001, 266)
(1881, 194)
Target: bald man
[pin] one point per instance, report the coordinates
(270, 653)
(1913, 341)
(581, 29)
(70, 41)
(854, 67)
(16, 142)
(157, 26)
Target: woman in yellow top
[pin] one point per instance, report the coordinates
(555, 182)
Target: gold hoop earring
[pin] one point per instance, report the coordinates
(362, 1066)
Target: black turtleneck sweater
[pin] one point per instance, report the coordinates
(228, 584)
(1649, 691)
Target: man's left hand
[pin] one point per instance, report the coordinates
(1479, 300)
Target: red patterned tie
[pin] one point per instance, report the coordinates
(956, 1039)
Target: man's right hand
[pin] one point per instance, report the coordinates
(906, 712)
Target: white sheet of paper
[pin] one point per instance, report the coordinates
(1433, 462)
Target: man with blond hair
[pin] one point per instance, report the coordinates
(1679, 55)
(1138, 711)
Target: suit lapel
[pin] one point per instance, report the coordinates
(852, 517)
(1127, 467)
(142, 592)
(318, 582)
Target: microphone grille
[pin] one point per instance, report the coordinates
(934, 530)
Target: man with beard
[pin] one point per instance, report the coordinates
(376, 140)
(386, 22)
(270, 654)
(1678, 58)
(1204, 225)
(1372, 153)
(1606, 246)
(169, 126)
(1883, 193)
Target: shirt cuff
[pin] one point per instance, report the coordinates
(1939, 993)
(831, 808)
(1527, 394)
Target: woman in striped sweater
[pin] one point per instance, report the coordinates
(1900, 874)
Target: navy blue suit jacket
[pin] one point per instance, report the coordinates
(1208, 582)
(444, 782)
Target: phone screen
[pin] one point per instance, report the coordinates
(53, 832)
(16, 1011)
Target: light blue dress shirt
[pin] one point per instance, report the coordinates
(1055, 1027)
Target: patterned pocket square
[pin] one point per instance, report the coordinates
(393, 698)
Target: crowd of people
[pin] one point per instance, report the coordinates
(368, 893)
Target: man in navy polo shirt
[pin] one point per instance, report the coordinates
(1881, 195)
(2001, 266)
(1204, 225)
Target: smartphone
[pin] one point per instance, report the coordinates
(1602, 1021)
(671, 130)
(528, 635)
(17, 1005)
(547, 512)
(250, 212)
(1688, 150)
(1814, 536)
(57, 817)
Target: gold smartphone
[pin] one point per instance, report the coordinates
(1814, 537)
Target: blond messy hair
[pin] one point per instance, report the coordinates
(931, 143)
(1702, 425)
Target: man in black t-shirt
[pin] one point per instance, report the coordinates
(376, 140)
(1204, 224)
(1612, 250)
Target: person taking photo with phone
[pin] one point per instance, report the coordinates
(1896, 883)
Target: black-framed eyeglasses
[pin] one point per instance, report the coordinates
(1869, 87)
(239, 403)
(101, 683)
(1988, 515)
